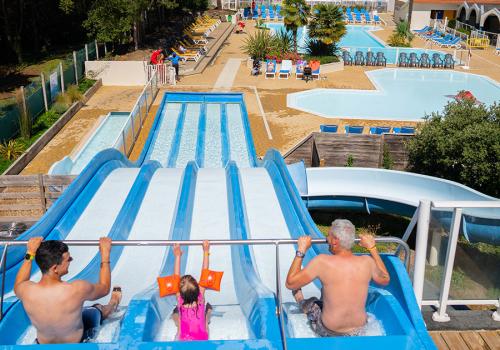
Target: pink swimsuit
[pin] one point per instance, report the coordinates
(192, 321)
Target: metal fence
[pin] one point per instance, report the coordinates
(452, 273)
(38, 96)
(276, 242)
(126, 140)
(165, 73)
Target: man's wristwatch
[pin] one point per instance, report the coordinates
(29, 256)
(299, 254)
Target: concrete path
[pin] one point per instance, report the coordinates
(227, 75)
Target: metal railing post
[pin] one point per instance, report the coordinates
(123, 142)
(62, 77)
(96, 50)
(86, 52)
(441, 315)
(424, 215)
(280, 301)
(3, 267)
(74, 65)
(44, 92)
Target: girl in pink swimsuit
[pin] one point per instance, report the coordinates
(191, 315)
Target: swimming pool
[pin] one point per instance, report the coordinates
(401, 94)
(359, 38)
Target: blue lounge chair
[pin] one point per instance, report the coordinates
(358, 18)
(376, 19)
(271, 14)
(437, 62)
(349, 18)
(423, 30)
(368, 18)
(403, 59)
(353, 129)
(270, 69)
(425, 62)
(370, 59)
(380, 60)
(246, 13)
(299, 69)
(285, 69)
(404, 130)
(453, 42)
(379, 130)
(255, 14)
(448, 61)
(346, 57)
(328, 128)
(359, 58)
(278, 12)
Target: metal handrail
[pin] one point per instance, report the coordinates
(275, 242)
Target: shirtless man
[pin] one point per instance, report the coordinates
(55, 307)
(345, 278)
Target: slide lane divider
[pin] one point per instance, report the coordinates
(11, 328)
(224, 135)
(153, 133)
(256, 300)
(176, 141)
(146, 310)
(200, 144)
(248, 134)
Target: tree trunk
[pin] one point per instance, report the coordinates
(219, 4)
(410, 12)
(295, 41)
(136, 36)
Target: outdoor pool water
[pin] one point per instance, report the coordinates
(401, 94)
(359, 38)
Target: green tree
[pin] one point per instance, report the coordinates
(402, 35)
(295, 15)
(327, 23)
(260, 44)
(460, 144)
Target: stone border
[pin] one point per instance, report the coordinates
(35, 148)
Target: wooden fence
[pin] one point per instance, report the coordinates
(371, 151)
(24, 198)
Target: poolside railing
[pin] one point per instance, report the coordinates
(276, 242)
(429, 263)
(125, 141)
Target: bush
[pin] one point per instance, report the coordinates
(402, 35)
(73, 94)
(259, 45)
(11, 150)
(461, 144)
(46, 120)
(322, 59)
(316, 47)
(452, 23)
(85, 84)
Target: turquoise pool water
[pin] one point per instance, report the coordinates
(359, 38)
(401, 94)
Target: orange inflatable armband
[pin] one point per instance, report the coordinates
(211, 279)
(168, 285)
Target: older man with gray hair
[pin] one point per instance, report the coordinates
(345, 278)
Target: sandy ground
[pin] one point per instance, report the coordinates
(287, 126)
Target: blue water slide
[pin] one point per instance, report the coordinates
(13, 327)
(395, 192)
(147, 311)
(65, 212)
(394, 305)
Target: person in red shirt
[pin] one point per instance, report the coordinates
(157, 57)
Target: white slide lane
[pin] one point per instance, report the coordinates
(211, 221)
(96, 221)
(265, 220)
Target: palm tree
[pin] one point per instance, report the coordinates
(295, 15)
(327, 23)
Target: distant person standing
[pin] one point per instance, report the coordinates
(174, 58)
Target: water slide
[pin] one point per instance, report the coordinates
(394, 192)
(209, 128)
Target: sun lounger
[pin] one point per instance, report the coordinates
(404, 130)
(353, 129)
(197, 39)
(255, 14)
(271, 14)
(299, 69)
(246, 13)
(315, 67)
(380, 60)
(376, 19)
(187, 56)
(368, 18)
(285, 69)
(379, 130)
(328, 128)
(358, 18)
(346, 57)
(454, 42)
(349, 18)
(270, 69)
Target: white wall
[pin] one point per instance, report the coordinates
(121, 73)
(420, 19)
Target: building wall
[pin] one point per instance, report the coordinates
(421, 15)
(122, 73)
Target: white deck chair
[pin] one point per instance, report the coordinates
(285, 70)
